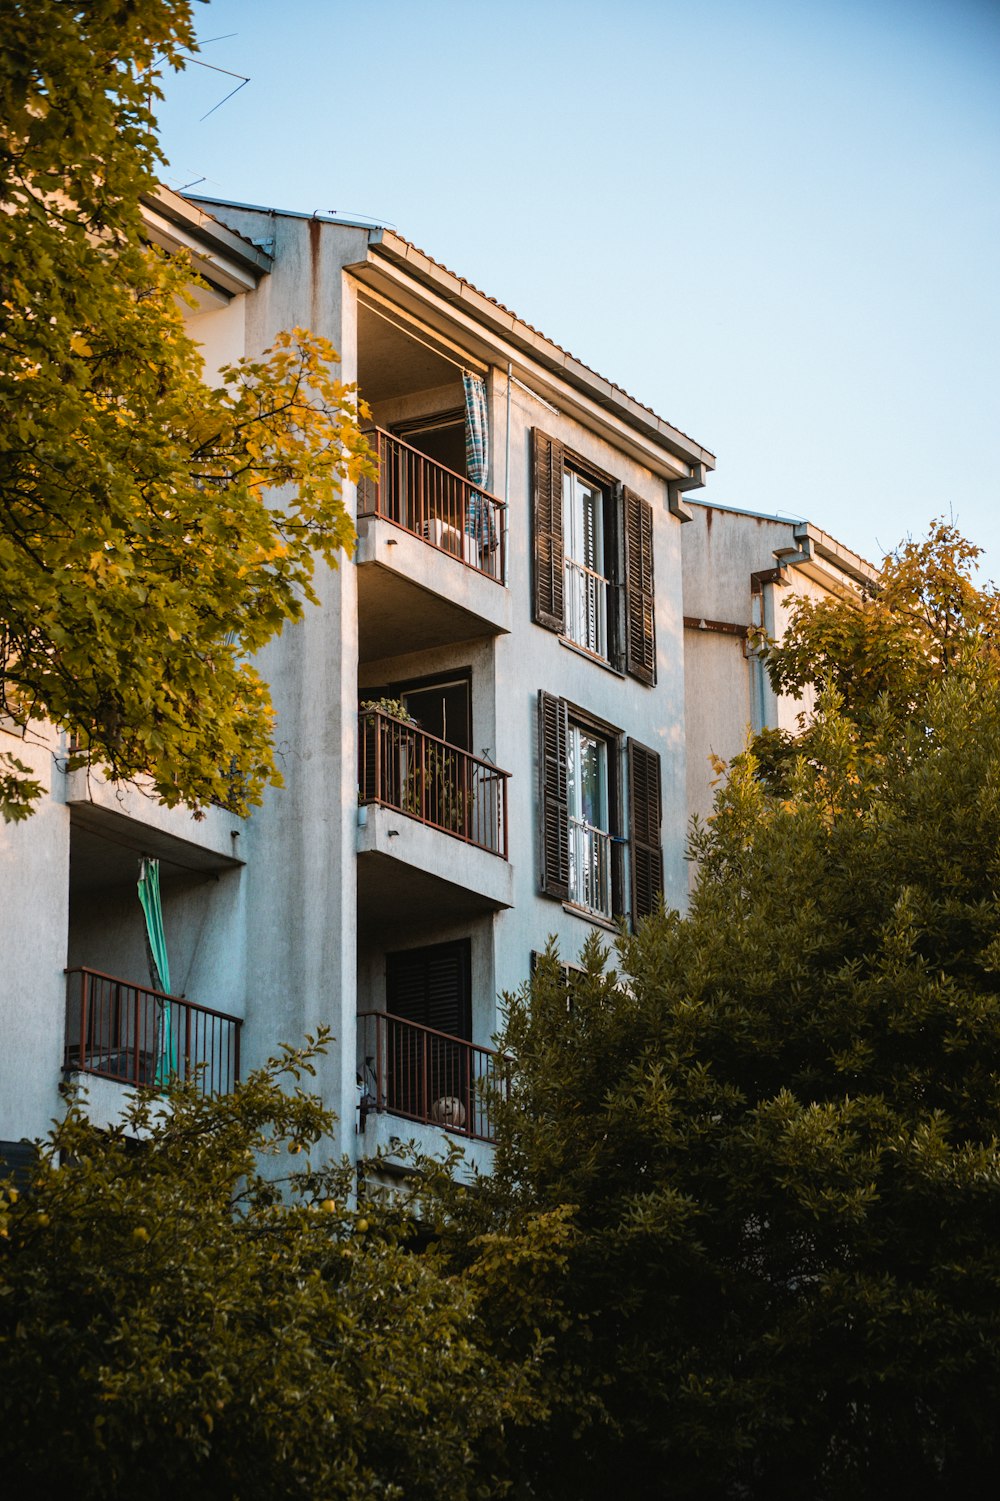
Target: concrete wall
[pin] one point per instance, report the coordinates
(34, 910)
(276, 939)
(727, 692)
(300, 848)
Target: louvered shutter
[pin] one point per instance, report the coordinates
(431, 986)
(640, 627)
(645, 814)
(550, 567)
(553, 750)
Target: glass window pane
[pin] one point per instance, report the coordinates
(583, 522)
(588, 778)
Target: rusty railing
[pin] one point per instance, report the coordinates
(427, 1076)
(404, 768)
(138, 1036)
(436, 504)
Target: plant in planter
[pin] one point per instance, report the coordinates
(439, 779)
(421, 779)
(392, 706)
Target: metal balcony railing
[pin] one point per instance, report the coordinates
(432, 502)
(428, 1076)
(402, 767)
(590, 867)
(587, 607)
(138, 1036)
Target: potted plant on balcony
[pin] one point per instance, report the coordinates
(419, 778)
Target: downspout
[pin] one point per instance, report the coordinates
(506, 482)
(763, 699)
(676, 487)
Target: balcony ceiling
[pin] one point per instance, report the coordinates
(390, 892)
(391, 365)
(409, 873)
(105, 849)
(395, 614)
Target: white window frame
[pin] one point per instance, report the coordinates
(587, 581)
(590, 839)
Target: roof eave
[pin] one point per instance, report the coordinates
(220, 256)
(452, 289)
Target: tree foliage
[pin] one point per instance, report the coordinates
(174, 1321)
(774, 1128)
(881, 652)
(154, 533)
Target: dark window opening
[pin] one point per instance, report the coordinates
(429, 993)
(443, 709)
(441, 439)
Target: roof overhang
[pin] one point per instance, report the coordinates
(439, 300)
(822, 558)
(225, 260)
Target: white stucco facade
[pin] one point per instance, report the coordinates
(741, 572)
(317, 909)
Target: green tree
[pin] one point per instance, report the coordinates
(882, 651)
(154, 533)
(773, 1128)
(173, 1321)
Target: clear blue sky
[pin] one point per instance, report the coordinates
(773, 221)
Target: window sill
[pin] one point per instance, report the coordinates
(594, 918)
(590, 656)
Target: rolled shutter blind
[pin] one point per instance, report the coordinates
(549, 570)
(553, 749)
(431, 986)
(645, 815)
(640, 626)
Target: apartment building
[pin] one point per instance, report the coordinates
(741, 572)
(481, 728)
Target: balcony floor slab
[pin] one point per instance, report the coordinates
(386, 1138)
(412, 596)
(407, 868)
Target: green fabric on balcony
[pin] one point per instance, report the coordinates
(159, 967)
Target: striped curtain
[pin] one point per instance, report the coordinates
(479, 515)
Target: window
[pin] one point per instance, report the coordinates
(432, 986)
(589, 828)
(442, 708)
(586, 596)
(579, 808)
(593, 560)
(428, 988)
(569, 975)
(440, 438)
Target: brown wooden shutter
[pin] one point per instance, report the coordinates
(549, 574)
(645, 813)
(432, 986)
(553, 750)
(640, 627)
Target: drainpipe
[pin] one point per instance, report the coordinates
(506, 482)
(763, 699)
(676, 487)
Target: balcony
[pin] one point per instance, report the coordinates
(412, 789)
(133, 1035)
(428, 1077)
(432, 502)
(431, 555)
(403, 767)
